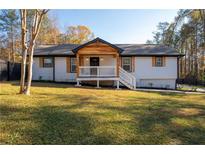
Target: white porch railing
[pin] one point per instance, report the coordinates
(127, 78)
(97, 71)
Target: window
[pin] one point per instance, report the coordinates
(126, 63)
(47, 62)
(159, 61)
(72, 65)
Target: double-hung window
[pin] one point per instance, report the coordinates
(159, 61)
(47, 62)
(72, 64)
(127, 63)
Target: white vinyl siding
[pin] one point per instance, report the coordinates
(149, 76)
(41, 73)
(61, 74)
(157, 83)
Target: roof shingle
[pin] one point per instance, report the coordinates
(128, 50)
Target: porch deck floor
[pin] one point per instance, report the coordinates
(89, 78)
(97, 77)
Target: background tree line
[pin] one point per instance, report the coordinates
(186, 34)
(10, 33)
(22, 30)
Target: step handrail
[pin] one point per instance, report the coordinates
(131, 78)
(126, 73)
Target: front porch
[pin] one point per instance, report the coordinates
(98, 68)
(98, 61)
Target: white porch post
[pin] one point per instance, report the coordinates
(78, 83)
(118, 84)
(135, 84)
(98, 84)
(98, 71)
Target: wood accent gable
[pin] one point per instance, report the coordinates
(68, 64)
(97, 42)
(98, 48)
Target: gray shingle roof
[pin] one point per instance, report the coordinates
(62, 49)
(128, 50)
(147, 49)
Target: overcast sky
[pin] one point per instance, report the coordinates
(116, 26)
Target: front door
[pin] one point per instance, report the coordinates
(94, 61)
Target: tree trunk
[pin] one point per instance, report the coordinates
(202, 12)
(181, 74)
(189, 60)
(196, 54)
(9, 55)
(23, 71)
(24, 51)
(185, 59)
(12, 45)
(30, 68)
(35, 30)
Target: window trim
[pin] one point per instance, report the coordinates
(44, 62)
(154, 61)
(130, 58)
(72, 59)
(161, 61)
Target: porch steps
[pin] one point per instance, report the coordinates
(127, 79)
(126, 84)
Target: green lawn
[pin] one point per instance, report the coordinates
(63, 114)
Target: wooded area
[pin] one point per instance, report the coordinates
(187, 34)
(50, 33)
(21, 31)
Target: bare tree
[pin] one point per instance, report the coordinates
(37, 19)
(24, 50)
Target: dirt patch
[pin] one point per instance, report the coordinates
(189, 111)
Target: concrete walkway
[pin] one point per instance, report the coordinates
(190, 87)
(168, 91)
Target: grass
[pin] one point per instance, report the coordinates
(186, 87)
(63, 114)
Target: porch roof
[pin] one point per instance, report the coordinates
(125, 50)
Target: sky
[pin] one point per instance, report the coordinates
(115, 26)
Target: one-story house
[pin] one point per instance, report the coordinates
(132, 65)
